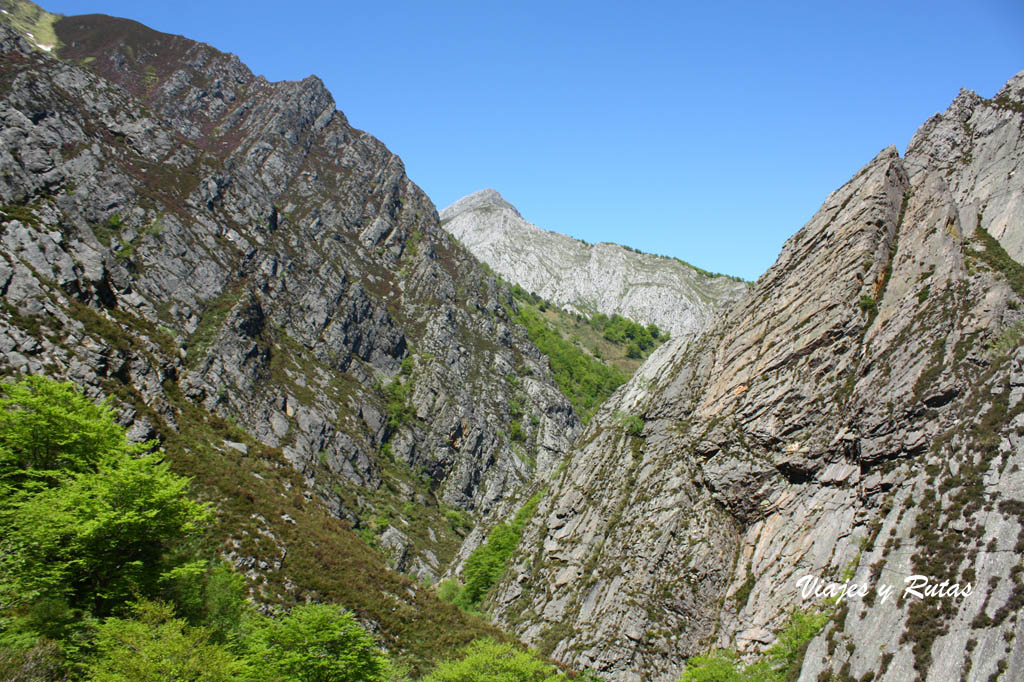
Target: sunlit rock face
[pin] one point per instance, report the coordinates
(589, 278)
(857, 416)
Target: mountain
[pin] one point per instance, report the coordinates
(857, 417)
(590, 278)
(260, 286)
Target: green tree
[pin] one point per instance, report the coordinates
(101, 538)
(316, 643)
(87, 522)
(488, 661)
(49, 430)
(154, 646)
(718, 666)
(486, 564)
(214, 596)
(787, 653)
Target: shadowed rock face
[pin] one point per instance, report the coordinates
(604, 278)
(177, 231)
(857, 416)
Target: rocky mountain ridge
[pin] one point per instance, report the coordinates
(589, 278)
(260, 285)
(858, 416)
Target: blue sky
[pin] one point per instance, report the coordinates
(708, 131)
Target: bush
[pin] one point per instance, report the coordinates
(396, 402)
(154, 646)
(316, 643)
(449, 590)
(486, 661)
(632, 424)
(780, 663)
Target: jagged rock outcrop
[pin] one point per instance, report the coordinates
(604, 278)
(859, 415)
(203, 244)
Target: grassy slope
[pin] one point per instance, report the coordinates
(28, 18)
(587, 366)
(292, 547)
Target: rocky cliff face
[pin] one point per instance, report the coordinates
(857, 416)
(604, 278)
(214, 249)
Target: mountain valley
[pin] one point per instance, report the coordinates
(462, 428)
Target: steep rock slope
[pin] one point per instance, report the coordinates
(857, 416)
(262, 287)
(604, 278)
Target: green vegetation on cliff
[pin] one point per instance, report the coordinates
(780, 663)
(590, 357)
(487, 563)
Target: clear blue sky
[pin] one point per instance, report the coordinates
(709, 131)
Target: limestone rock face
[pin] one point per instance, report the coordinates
(857, 416)
(589, 278)
(976, 147)
(185, 235)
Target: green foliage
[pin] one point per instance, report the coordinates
(101, 538)
(1008, 340)
(718, 666)
(488, 661)
(618, 329)
(316, 643)
(42, 661)
(867, 304)
(49, 430)
(995, 256)
(458, 519)
(408, 364)
(449, 590)
(87, 523)
(486, 564)
(515, 407)
(213, 595)
(585, 380)
(396, 402)
(631, 424)
(154, 646)
(780, 663)
(787, 653)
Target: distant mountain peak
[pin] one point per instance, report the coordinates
(482, 199)
(604, 278)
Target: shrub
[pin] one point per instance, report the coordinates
(316, 643)
(486, 660)
(780, 663)
(632, 424)
(154, 646)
